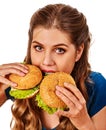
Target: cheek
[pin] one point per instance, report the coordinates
(67, 67)
(66, 64)
(34, 58)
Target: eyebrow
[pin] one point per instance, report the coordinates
(36, 42)
(58, 44)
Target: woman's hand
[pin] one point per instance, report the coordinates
(76, 103)
(5, 70)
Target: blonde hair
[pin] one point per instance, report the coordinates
(25, 115)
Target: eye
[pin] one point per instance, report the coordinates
(38, 48)
(60, 50)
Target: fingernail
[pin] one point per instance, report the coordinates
(23, 74)
(57, 87)
(65, 83)
(13, 84)
(26, 71)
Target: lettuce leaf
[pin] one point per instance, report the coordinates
(22, 94)
(42, 105)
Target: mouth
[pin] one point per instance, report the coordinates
(46, 72)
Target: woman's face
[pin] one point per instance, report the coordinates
(52, 51)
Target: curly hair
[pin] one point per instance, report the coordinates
(69, 20)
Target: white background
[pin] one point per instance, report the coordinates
(14, 23)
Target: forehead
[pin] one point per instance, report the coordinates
(52, 34)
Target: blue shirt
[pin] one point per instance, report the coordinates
(96, 92)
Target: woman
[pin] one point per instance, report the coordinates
(59, 40)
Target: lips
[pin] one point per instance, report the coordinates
(46, 72)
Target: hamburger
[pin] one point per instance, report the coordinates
(46, 98)
(28, 85)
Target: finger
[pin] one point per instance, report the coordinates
(63, 113)
(7, 82)
(18, 66)
(70, 114)
(68, 97)
(76, 92)
(12, 70)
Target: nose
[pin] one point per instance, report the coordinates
(48, 59)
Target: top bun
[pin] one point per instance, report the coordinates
(48, 87)
(30, 80)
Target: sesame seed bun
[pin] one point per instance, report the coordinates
(47, 88)
(30, 80)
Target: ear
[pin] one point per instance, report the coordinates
(79, 51)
